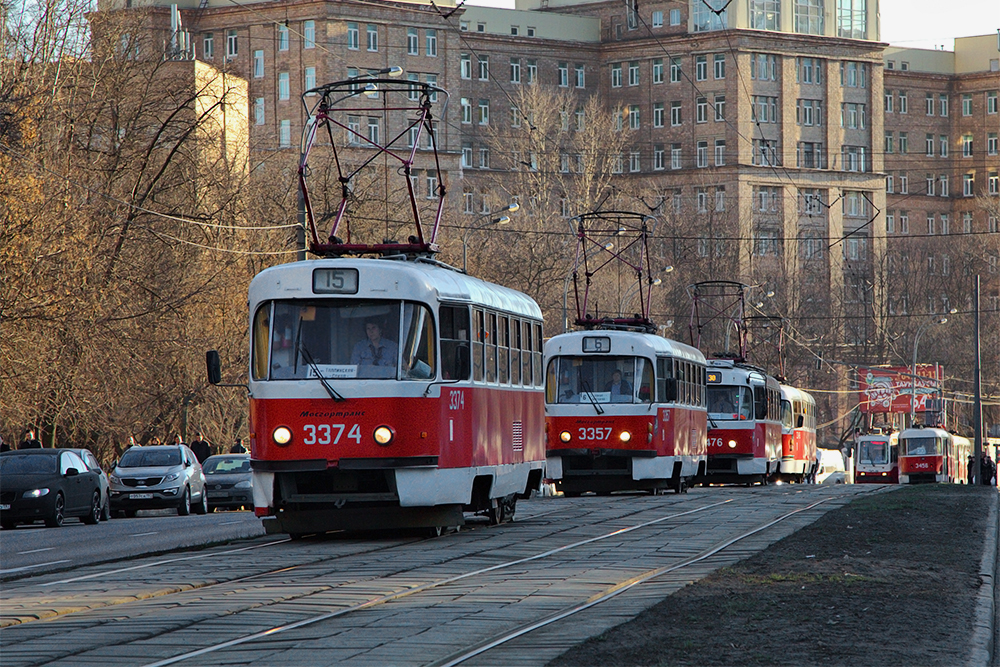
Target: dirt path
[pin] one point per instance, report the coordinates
(889, 580)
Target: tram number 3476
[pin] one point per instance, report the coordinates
(596, 433)
(326, 434)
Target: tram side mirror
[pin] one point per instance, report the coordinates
(214, 366)
(463, 362)
(800, 422)
(670, 387)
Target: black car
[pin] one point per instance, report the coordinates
(229, 481)
(47, 485)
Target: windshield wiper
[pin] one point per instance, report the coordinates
(315, 369)
(590, 395)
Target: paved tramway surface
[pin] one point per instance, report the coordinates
(472, 597)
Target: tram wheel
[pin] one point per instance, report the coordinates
(435, 531)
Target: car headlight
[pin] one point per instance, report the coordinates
(565, 436)
(625, 436)
(383, 435)
(282, 435)
(245, 484)
(114, 479)
(35, 493)
(171, 477)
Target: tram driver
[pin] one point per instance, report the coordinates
(620, 389)
(375, 351)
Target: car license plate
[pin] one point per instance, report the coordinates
(140, 496)
(217, 494)
(4, 507)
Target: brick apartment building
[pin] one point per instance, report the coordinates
(782, 142)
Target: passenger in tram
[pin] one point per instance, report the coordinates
(375, 350)
(621, 390)
(723, 403)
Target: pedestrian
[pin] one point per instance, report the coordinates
(30, 441)
(238, 447)
(971, 470)
(991, 473)
(201, 447)
(178, 440)
(155, 441)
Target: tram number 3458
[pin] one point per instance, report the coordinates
(325, 434)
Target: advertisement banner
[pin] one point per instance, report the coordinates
(889, 389)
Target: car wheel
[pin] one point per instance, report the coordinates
(202, 507)
(106, 511)
(94, 515)
(184, 507)
(58, 512)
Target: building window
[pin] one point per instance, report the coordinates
(929, 145)
(904, 143)
(484, 68)
(763, 66)
(466, 107)
(701, 110)
(657, 70)
(809, 17)
(700, 68)
(852, 18)
(967, 145)
(702, 154)
(809, 112)
(943, 145)
(634, 161)
(373, 133)
(430, 43)
(966, 222)
(515, 70)
(720, 66)
(890, 222)
(675, 114)
(470, 202)
(675, 156)
(580, 76)
(616, 75)
(945, 224)
(310, 78)
(810, 155)
(766, 108)
(889, 183)
(484, 112)
(581, 120)
(903, 102)
(765, 152)
(633, 117)
(929, 187)
(657, 19)
(765, 14)
(285, 134)
(808, 70)
(931, 224)
(658, 157)
(372, 32)
(484, 158)
(709, 14)
(994, 183)
(353, 37)
(232, 44)
(563, 73)
(208, 46)
(967, 104)
(889, 141)
(284, 91)
(943, 104)
(701, 195)
(658, 114)
(413, 43)
(258, 111)
(675, 17)
(309, 35)
(991, 102)
(720, 153)
(532, 71)
(633, 73)
(853, 158)
(720, 108)
(258, 64)
(968, 185)
(888, 101)
(904, 222)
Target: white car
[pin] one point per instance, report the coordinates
(831, 467)
(158, 477)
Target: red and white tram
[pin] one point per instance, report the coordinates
(798, 435)
(391, 393)
(625, 411)
(744, 420)
(876, 459)
(933, 455)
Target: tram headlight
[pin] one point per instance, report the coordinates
(282, 435)
(565, 436)
(383, 435)
(732, 444)
(624, 436)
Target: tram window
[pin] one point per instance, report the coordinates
(666, 385)
(515, 351)
(491, 347)
(479, 346)
(760, 402)
(261, 335)
(644, 372)
(552, 387)
(503, 346)
(456, 359)
(418, 361)
(526, 354)
(786, 414)
(536, 352)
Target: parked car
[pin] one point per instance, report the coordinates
(47, 485)
(229, 481)
(159, 477)
(831, 467)
(92, 464)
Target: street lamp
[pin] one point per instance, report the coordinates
(913, 368)
(502, 220)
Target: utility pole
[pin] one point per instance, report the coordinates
(978, 379)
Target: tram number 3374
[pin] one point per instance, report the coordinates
(596, 433)
(326, 434)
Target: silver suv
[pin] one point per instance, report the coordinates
(164, 476)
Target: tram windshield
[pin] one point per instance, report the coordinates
(873, 452)
(599, 380)
(921, 446)
(343, 339)
(786, 415)
(729, 402)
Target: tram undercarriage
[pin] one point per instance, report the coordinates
(609, 471)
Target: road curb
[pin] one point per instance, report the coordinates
(981, 654)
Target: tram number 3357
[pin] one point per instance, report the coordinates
(596, 433)
(326, 434)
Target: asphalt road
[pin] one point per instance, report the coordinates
(35, 549)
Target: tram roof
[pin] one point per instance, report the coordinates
(794, 393)
(385, 278)
(637, 342)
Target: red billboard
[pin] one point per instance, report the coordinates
(889, 389)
